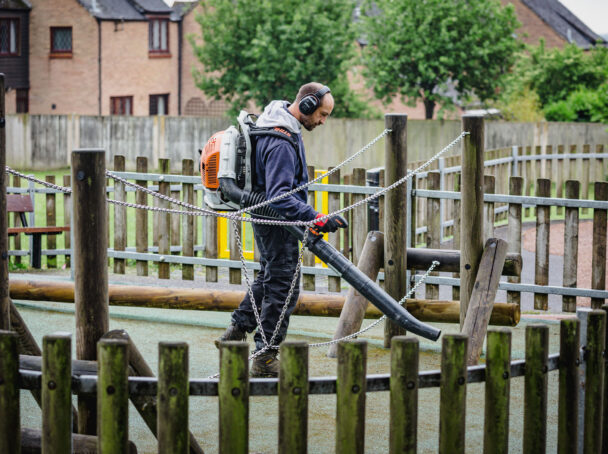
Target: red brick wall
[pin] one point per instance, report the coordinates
(533, 28)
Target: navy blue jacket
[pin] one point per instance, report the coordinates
(279, 169)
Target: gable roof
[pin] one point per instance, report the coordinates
(566, 24)
(15, 4)
(128, 10)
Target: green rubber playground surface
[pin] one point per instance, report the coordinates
(148, 327)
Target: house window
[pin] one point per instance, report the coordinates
(159, 104)
(159, 36)
(23, 104)
(121, 105)
(9, 36)
(61, 41)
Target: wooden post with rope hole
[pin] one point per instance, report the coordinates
(395, 225)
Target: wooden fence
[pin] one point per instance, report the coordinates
(514, 185)
(56, 377)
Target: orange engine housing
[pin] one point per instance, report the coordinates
(210, 158)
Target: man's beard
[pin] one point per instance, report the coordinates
(307, 123)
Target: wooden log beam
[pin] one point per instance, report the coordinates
(324, 305)
(31, 443)
(449, 260)
(482, 298)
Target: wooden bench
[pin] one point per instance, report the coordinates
(22, 204)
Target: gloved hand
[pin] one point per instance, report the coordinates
(330, 224)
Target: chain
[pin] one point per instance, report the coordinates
(36, 180)
(319, 178)
(410, 293)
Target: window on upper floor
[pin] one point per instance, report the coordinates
(159, 104)
(61, 41)
(121, 105)
(159, 37)
(9, 36)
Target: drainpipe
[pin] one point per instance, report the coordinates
(180, 31)
(99, 66)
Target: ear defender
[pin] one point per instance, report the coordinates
(309, 103)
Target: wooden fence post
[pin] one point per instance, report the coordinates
(141, 218)
(350, 397)
(172, 398)
(561, 176)
(90, 265)
(4, 298)
(308, 280)
(67, 218)
(164, 222)
(514, 233)
(569, 359)
(233, 397)
(211, 247)
(188, 221)
(176, 223)
(235, 228)
(543, 228)
(333, 204)
(120, 216)
(598, 258)
(489, 187)
(585, 177)
(529, 176)
(456, 240)
(433, 232)
(359, 225)
(347, 233)
(570, 246)
(453, 394)
(605, 402)
(17, 222)
(403, 433)
(56, 393)
(594, 380)
(293, 398)
(51, 220)
(535, 389)
(10, 419)
(471, 217)
(113, 396)
(395, 202)
(497, 392)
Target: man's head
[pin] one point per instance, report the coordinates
(312, 93)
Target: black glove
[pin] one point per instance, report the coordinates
(330, 224)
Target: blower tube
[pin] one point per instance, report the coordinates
(333, 258)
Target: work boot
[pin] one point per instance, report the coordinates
(265, 365)
(232, 333)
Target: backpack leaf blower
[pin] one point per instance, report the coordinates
(226, 174)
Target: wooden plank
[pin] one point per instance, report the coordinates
(235, 230)
(355, 305)
(188, 221)
(594, 381)
(10, 416)
(51, 220)
(456, 240)
(570, 246)
(38, 230)
(211, 246)
(497, 392)
(598, 258)
(561, 176)
(120, 216)
(395, 202)
(482, 299)
(16, 220)
(404, 396)
(585, 177)
(359, 225)
(471, 230)
(164, 221)
(141, 218)
(67, 217)
(31, 442)
(4, 244)
(16, 203)
(543, 228)
(308, 280)
(514, 233)
(233, 397)
(489, 187)
(569, 383)
(333, 203)
(433, 223)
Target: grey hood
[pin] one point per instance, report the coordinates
(276, 114)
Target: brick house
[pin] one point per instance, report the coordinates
(131, 57)
(14, 53)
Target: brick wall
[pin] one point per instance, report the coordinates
(533, 28)
(63, 85)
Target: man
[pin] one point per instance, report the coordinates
(279, 168)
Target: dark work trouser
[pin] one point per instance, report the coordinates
(279, 252)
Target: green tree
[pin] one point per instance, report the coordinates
(260, 50)
(419, 49)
